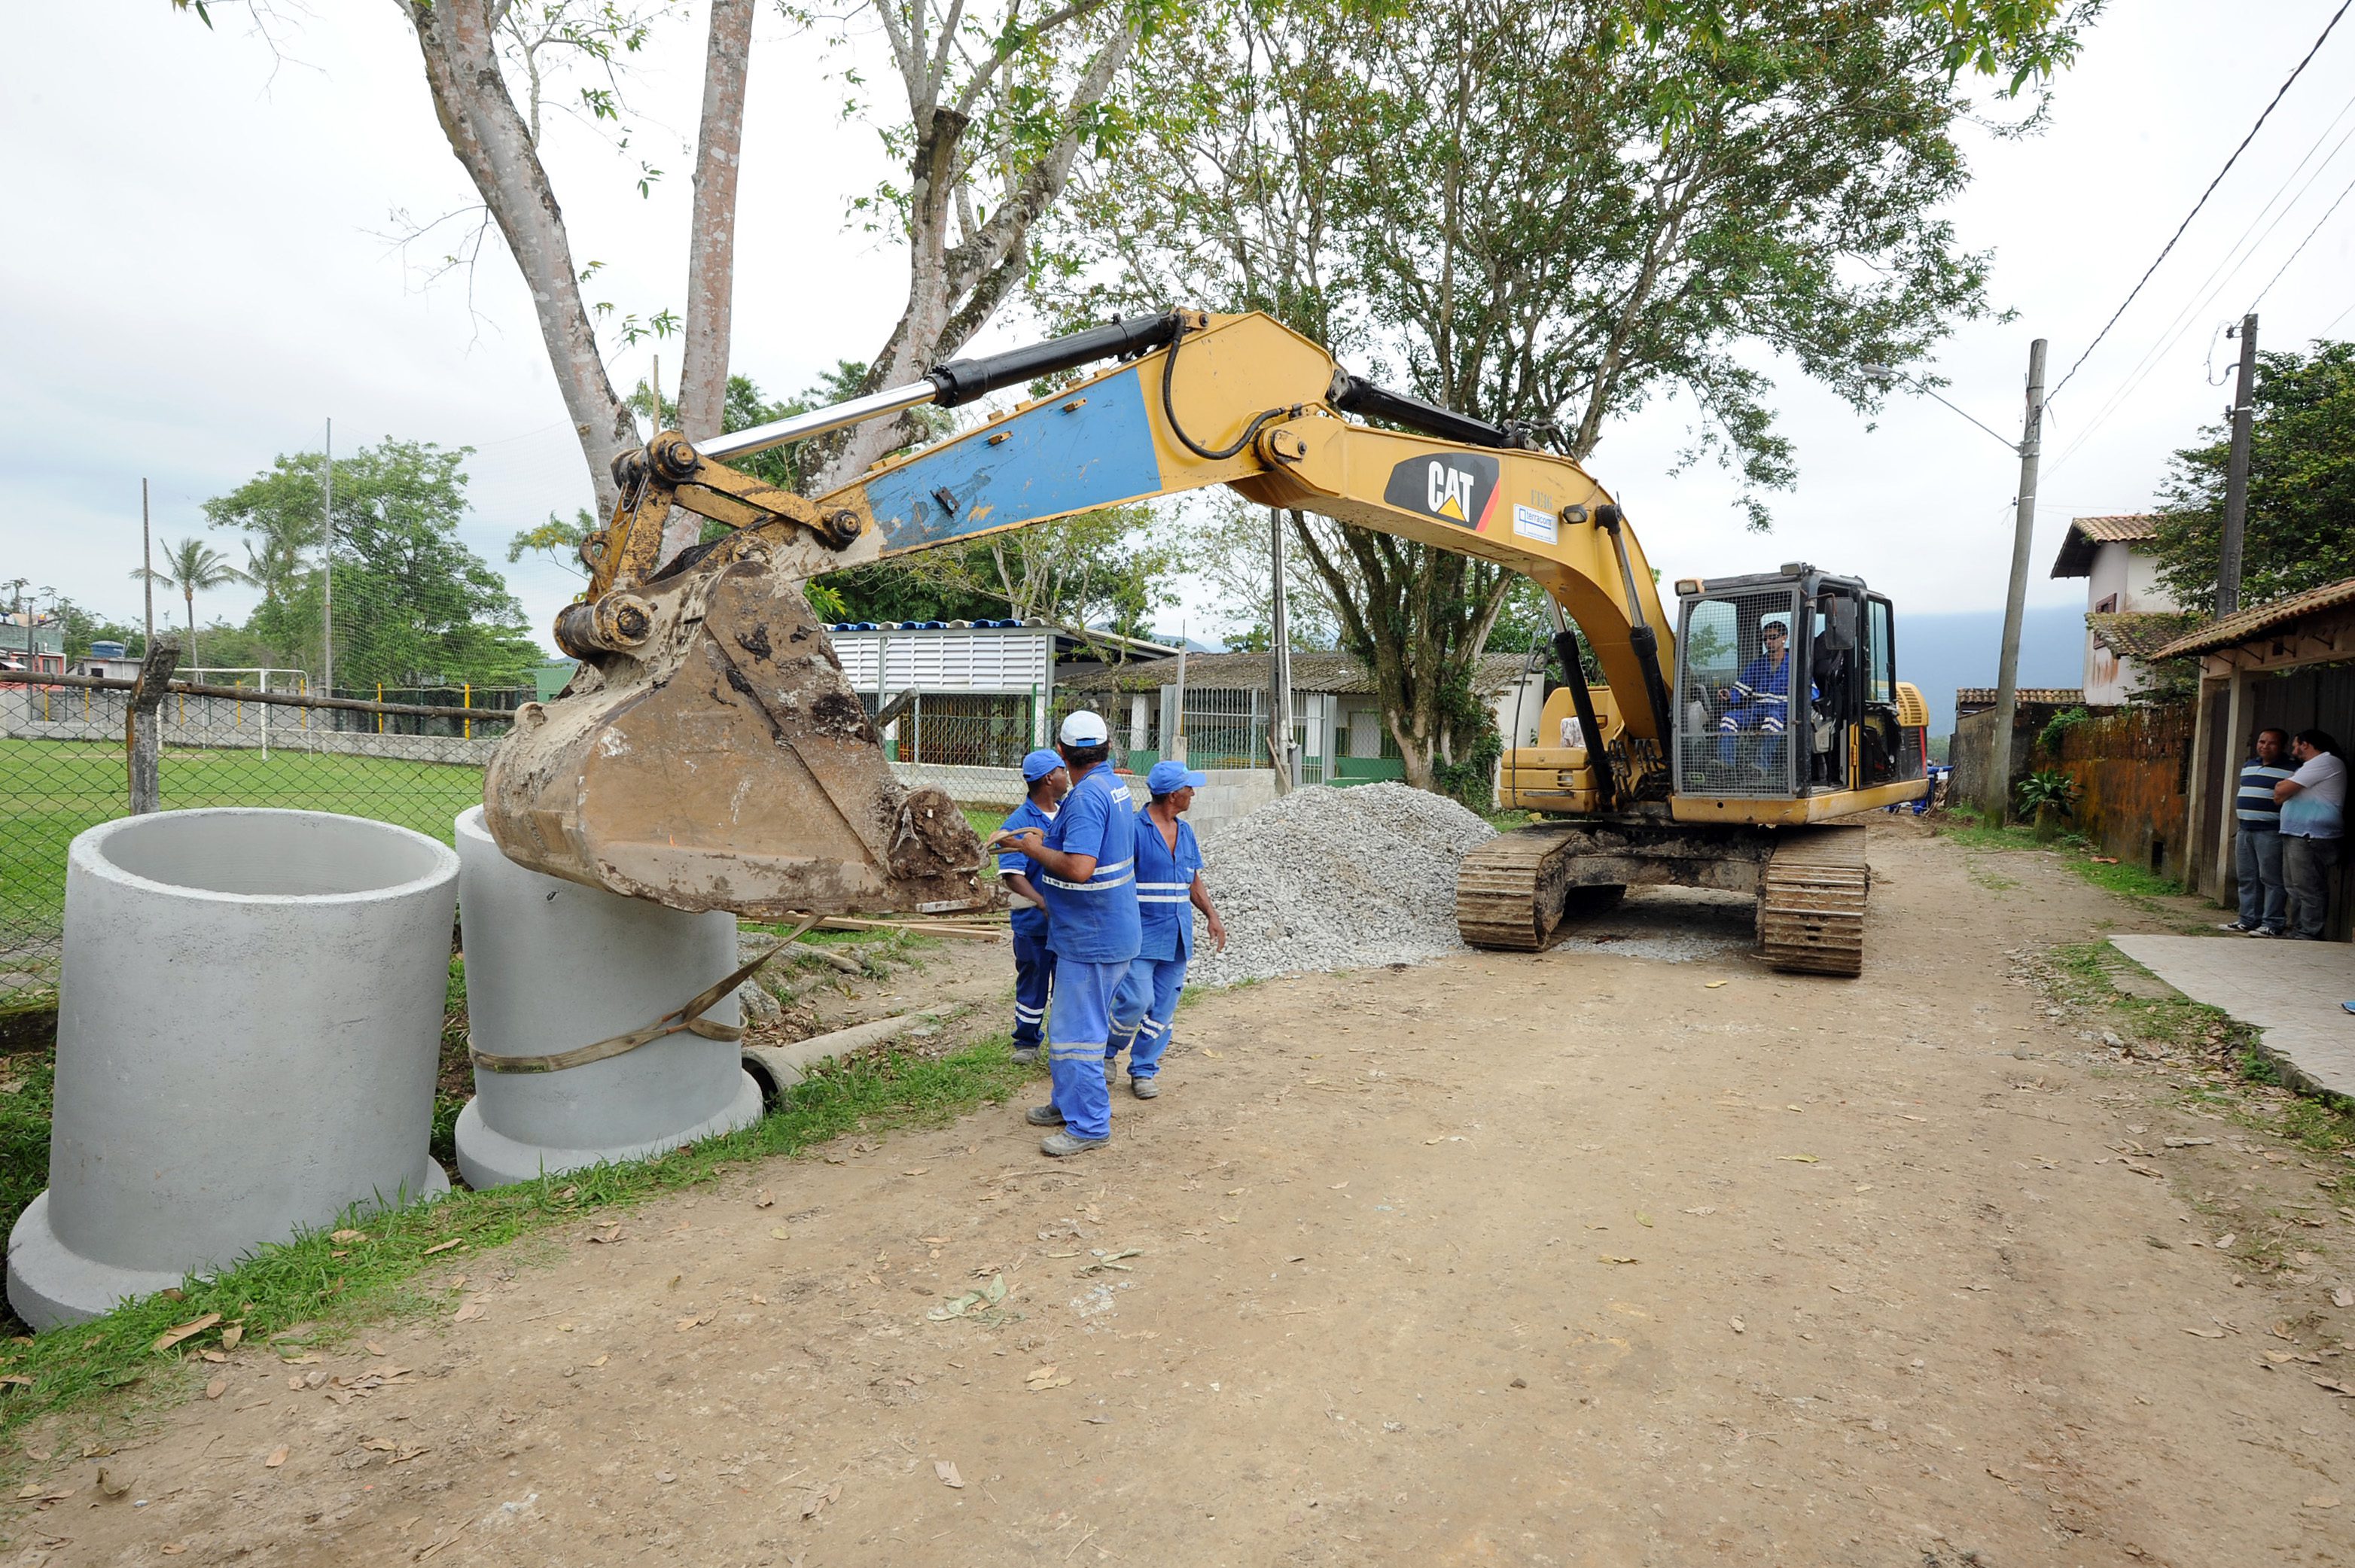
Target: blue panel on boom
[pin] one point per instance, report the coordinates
(1049, 463)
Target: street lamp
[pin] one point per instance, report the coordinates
(1996, 797)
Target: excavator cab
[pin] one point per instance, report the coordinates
(1787, 689)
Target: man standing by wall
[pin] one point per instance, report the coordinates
(2313, 820)
(1034, 956)
(1168, 891)
(2257, 844)
(1087, 869)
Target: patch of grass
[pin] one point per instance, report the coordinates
(1969, 832)
(2081, 974)
(322, 1290)
(27, 1078)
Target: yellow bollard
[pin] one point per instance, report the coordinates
(466, 699)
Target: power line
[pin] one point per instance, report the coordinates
(2302, 244)
(2236, 256)
(2204, 195)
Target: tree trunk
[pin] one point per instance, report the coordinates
(712, 242)
(492, 143)
(952, 290)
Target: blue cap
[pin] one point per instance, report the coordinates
(1168, 778)
(1040, 764)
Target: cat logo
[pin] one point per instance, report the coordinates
(1459, 487)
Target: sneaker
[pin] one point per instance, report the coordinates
(1023, 1055)
(1043, 1116)
(1143, 1088)
(1058, 1145)
(2237, 925)
(2261, 930)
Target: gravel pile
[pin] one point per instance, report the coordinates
(1336, 878)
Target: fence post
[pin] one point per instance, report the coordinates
(144, 725)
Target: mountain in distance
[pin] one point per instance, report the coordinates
(1940, 652)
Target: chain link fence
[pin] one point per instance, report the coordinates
(63, 768)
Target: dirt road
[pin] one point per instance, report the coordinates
(1576, 1258)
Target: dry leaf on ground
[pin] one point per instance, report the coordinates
(440, 1247)
(947, 1472)
(217, 1388)
(277, 1457)
(170, 1338)
(819, 1497)
(467, 1313)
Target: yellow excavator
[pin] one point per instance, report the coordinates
(708, 752)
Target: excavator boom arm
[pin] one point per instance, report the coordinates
(710, 753)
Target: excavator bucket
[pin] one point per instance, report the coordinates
(725, 762)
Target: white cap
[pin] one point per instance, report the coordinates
(1084, 728)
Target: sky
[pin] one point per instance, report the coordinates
(206, 269)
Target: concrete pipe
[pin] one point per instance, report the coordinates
(552, 966)
(779, 1069)
(248, 1024)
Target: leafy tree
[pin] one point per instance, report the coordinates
(193, 567)
(412, 606)
(2300, 531)
(84, 628)
(1553, 213)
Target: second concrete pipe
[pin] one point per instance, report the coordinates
(552, 966)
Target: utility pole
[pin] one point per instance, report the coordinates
(2236, 476)
(1280, 749)
(2015, 605)
(327, 574)
(147, 567)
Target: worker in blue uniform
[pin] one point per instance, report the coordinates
(1169, 889)
(1759, 700)
(1034, 951)
(1086, 866)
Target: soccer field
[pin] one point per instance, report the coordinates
(51, 790)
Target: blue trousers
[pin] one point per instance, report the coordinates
(1034, 980)
(1078, 1021)
(1142, 1009)
(2257, 871)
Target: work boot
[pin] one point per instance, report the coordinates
(1144, 1088)
(1059, 1145)
(1023, 1055)
(1043, 1116)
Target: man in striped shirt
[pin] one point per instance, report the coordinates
(2257, 843)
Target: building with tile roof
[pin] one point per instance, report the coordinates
(2113, 555)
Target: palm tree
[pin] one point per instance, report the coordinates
(192, 566)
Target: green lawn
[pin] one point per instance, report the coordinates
(51, 790)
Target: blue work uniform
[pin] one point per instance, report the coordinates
(1146, 1005)
(1097, 934)
(1761, 696)
(1761, 706)
(1034, 952)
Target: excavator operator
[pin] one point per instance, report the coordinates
(1760, 698)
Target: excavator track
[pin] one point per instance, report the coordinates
(1510, 891)
(1811, 902)
(1519, 891)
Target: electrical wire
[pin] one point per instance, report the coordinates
(2279, 92)
(2302, 244)
(2219, 277)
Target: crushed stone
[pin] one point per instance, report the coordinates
(1330, 879)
